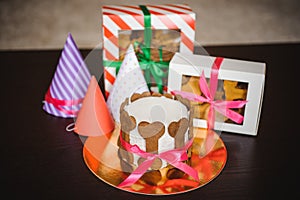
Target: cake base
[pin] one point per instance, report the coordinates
(101, 157)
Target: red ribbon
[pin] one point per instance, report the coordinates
(222, 107)
(58, 104)
(173, 157)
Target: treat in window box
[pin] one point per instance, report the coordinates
(167, 40)
(237, 98)
(228, 90)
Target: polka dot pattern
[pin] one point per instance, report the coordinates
(130, 79)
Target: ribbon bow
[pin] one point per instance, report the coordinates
(58, 104)
(221, 106)
(173, 157)
(155, 68)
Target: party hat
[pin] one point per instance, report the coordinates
(130, 79)
(69, 83)
(94, 118)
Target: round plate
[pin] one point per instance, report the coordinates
(209, 156)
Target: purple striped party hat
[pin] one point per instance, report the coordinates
(69, 83)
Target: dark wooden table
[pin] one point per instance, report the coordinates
(44, 161)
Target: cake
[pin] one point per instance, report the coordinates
(155, 123)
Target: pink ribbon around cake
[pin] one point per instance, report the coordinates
(221, 106)
(173, 157)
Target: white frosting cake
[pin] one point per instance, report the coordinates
(163, 111)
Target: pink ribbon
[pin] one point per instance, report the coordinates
(221, 106)
(58, 104)
(173, 157)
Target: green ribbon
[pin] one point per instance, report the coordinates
(150, 67)
(147, 26)
(115, 64)
(159, 69)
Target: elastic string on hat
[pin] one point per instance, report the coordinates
(70, 127)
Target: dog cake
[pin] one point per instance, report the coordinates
(156, 123)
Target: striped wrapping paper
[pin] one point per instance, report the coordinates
(69, 83)
(126, 17)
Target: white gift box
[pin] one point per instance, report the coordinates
(249, 73)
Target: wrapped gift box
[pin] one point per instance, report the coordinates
(237, 80)
(172, 25)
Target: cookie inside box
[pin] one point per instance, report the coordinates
(228, 90)
(168, 40)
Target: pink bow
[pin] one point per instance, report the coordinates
(222, 107)
(173, 157)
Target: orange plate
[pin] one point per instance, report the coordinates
(101, 157)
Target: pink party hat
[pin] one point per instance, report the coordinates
(69, 83)
(130, 79)
(94, 118)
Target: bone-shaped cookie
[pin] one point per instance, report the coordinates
(184, 101)
(151, 133)
(125, 103)
(137, 96)
(177, 130)
(128, 123)
(233, 92)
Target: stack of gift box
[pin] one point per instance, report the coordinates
(163, 37)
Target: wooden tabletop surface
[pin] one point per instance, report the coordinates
(44, 161)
